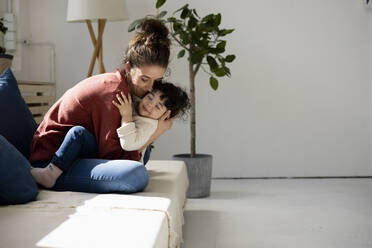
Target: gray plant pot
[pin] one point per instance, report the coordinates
(199, 170)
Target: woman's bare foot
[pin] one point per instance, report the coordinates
(46, 176)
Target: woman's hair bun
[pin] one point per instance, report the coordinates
(150, 45)
(153, 26)
(155, 30)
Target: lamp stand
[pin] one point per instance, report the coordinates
(97, 43)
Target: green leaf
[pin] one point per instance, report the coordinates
(212, 62)
(196, 57)
(221, 45)
(172, 19)
(185, 38)
(159, 3)
(213, 50)
(224, 32)
(192, 22)
(213, 82)
(181, 53)
(177, 27)
(185, 6)
(185, 13)
(135, 24)
(227, 71)
(208, 18)
(195, 37)
(230, 58)
(220, 48)
(194, 11)
(204, 43)
(217, 19)
(219, 72)
(161, 14)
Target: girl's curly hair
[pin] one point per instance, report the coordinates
(176, 99)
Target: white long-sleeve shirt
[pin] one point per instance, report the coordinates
(133, 135)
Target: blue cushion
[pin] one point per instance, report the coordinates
(17, 124)
(16, 182)
(146, 157)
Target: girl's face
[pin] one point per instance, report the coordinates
(143, 78)
(152, 106)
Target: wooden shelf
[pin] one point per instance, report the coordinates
(39, 97)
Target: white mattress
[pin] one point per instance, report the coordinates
(152, 218)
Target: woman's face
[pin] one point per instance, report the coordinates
(143, 78)
(151, 106)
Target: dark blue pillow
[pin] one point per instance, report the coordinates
(17, 124)
(146, 157)
(16, 182)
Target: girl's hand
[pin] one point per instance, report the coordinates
(164, 123)
(124, 106)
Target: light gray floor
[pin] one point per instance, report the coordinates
(284, 213)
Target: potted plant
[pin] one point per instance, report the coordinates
(201, 39)
(5, 59)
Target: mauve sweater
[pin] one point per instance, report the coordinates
(87, 104)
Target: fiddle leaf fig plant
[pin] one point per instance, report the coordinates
(202, 42)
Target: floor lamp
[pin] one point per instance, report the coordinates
(100, 11)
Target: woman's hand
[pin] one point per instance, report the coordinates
(124, 106)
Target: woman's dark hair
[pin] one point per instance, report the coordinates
(176, 99)
(150, 45)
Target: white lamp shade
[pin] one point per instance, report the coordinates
(81, 10)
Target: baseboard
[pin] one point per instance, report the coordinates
(312, 177)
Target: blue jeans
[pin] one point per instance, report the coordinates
(93, 175)
(78, 143)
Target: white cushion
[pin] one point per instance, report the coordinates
(152, 218)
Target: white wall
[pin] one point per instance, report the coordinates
(297, 104)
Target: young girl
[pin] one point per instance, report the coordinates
(134, 133)
(137, 129)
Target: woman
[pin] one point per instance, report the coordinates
(89, 104)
